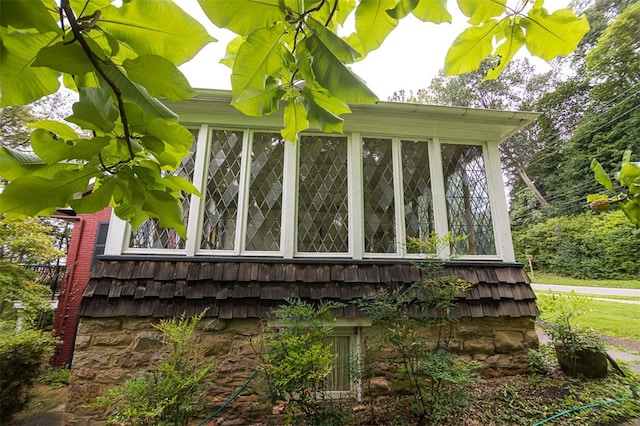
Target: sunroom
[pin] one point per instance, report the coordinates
(328, 218)
(397, 172)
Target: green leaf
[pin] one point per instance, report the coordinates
(260, 57)
(630, 173)
(232, 51)
(632, 210)
(25, 14)
(295, 120)
(87, 149)
(260, 102)
(15, 164)
(49, 147)
(432, 11)
(159, 76)
(178, 184)
(243, 16)
(340, 48)
(514, 40)
(95, 110)
(373, 23)
(593, 197)
(138, 95)
(600, 175)
(323, 110)
(20, 83)
(403, 8)
(333, 75)
(64, 57)
(59, 128)
(99, 198)
(156, 27)
(480, 11)
(470, 48)
(167, 209)
(33, 195)
(558, 34)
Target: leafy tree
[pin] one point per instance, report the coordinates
(121, 59)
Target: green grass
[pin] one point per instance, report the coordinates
(544, 278)
(609, 318)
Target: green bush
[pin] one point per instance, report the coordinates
(172, 392)
(589, 245)
(21, 357)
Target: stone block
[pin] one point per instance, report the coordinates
(91, 326)
(213, 324)
(478, 346)
(147, 341)
(112, 339)
(509, 341)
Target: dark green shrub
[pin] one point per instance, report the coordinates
(171, 393)
(22, 355)
(589, 245)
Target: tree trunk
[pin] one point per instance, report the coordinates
(525, 177)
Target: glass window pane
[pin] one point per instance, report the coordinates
(322, 195)
(221, 193)
(467, 195)
(340, 378)
(379, 207)
(265, 192)
(149, 234)
(418, 199)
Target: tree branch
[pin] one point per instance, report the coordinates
(76, 28)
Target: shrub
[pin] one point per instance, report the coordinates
(589, 245)
(171, 393)
(22, 355)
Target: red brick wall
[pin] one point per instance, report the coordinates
(79, 256)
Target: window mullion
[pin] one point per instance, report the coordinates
(356, 206)
(398, 190)
(288, 235)
(243, 193)
(194, 225)
(439, 196)
(498, 203)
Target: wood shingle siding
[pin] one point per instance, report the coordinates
(238, 290)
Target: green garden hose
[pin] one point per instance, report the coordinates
(230, 400)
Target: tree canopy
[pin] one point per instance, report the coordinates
(122, 59)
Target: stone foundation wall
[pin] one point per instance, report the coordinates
(108, 351)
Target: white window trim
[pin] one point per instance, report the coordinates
(345, 329)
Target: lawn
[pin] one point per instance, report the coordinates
(543, 278)
(608, 318)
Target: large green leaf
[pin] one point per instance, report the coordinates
(159, 76)
(49, 147)
(178, 184)
(513, 41)
(95, 110)
(20, 83)
(15, 164)
(260, 57)
(373, 22)
(600, 175)
(87, 149)
(295, 120)
(340, 48)
(403, 8)
(260, 102)
(69, 58)
(156, 27)
(99, 198)
(323, 110)
(25, 14)
(167, 209)
(333, 75)
(480, 11)
(232, 51)
(138, 95)
(432, 11)
(632, 210)
(59, 128)
(470, 48)
(553, 35)
(243, 16)
(33, 195)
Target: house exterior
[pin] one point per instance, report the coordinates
(326, 218)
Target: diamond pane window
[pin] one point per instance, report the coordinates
(467, 196)
(418, 199)
(149, 234)
(264, 212)
(379, 209)
(221, 193)
(322, 195)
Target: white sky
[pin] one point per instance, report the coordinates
(408, 59)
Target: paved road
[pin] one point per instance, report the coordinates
(588, 290)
